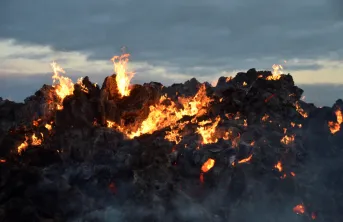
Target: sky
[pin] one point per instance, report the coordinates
(172, 41)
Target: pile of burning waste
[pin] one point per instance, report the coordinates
(246, 149)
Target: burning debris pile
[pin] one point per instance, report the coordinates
(247, 149)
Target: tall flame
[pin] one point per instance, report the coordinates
(277, 71)
(336, 126)
(65, 85)
(123, 77)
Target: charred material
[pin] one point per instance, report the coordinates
(248, 149)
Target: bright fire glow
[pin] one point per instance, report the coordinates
(123, 78)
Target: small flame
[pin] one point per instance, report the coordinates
(299, 209)
(278, 166)
(336, 126)
(83, 87)
(208, 165)
(246, 159)
(48, 126)
(23, 145)
(265, 117)
(287, 139)
(123, 77)
(35, 140)
(300, 110)
(277, 71)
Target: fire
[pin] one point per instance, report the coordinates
(277, 71)
(83, 87)
(48, 127)
(207, 132)
(246, 159)
(336, 126)
(300, 110)
(208, 165)
(265, 117)
(161, 116)
(35, 140)
(23, 145)
(65, 85)
(287, 139)
(299, 209)
(123, 77)
(174, 134)
(278, 166)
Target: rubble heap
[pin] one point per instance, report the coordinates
(247, 149)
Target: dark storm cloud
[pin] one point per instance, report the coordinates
(183, 33)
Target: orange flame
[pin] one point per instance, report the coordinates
(162, 115)
(246, 159)
(278, 166)
(123, 77)
(300, 110)
(299, 209)
(65, 85)
(336, 126)
(208, 165)
(207, 132)
(287, 139)
(23, 145)
(35, 140)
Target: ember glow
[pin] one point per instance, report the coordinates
(23, 145)
(154, 131)
(208, 165)
(299, 209)
(336, 126)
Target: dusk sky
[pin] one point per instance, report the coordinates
(172, 41)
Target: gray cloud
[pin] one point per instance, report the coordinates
(304, 67)
(217, 33)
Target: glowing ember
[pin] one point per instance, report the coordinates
(35, 140)
(265, 117)
(65, 85)
(23, 146)
(299, 209)
(123, 78)
(161, 115)
(287, 139)
(246, 159)
(83, 87)
(208, 165)
(336, 126)
(48, 126)
(300, 110)
(278, 166)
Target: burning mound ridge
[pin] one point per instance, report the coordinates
(247, 149)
